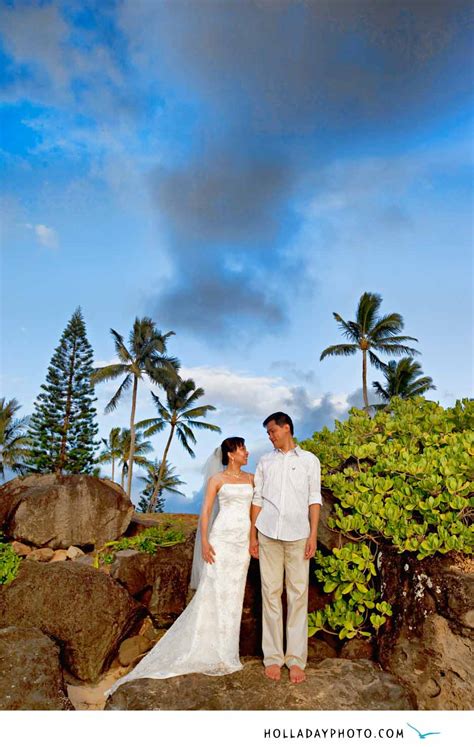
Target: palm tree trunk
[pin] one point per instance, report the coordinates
(364, 379)
(122, 481)
(156, 489)
(132, 436)
(113, 469)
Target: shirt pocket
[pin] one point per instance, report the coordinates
(298, 477)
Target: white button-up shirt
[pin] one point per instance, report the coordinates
(286, 484)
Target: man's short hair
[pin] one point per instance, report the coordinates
(280, 418)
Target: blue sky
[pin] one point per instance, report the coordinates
(238, 171)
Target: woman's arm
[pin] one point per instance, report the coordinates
(208, 552)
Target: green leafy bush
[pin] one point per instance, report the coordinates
(348, 573)
(164, 535)
(9, 562)
(403, 478)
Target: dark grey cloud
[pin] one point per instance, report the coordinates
(294, 372)
(269, 91)
(292, 67)
(222, 197)
(225, 215)
(277, 87)
(312, 417)
(212, 303)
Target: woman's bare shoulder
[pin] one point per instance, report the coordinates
(216, 480)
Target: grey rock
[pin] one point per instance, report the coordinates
(335, 684)
(59, 511)
(86, 612)
(31, 678)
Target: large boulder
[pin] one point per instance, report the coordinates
(336, 684)
(428, 643)
(84, 610)
(159, 581)
(62, 510)
(32, 678)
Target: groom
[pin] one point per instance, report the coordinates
(285, 514)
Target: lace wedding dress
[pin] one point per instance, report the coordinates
(205, 637)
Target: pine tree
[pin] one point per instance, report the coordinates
(63, 426)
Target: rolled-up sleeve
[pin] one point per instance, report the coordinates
(315, 482)
(257, 499)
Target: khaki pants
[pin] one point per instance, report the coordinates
(278, 557)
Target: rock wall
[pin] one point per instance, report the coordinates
(428, 644)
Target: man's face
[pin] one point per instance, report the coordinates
(278, 434)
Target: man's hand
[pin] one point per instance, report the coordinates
(310, 547)
(253, 547)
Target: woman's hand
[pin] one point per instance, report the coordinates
(208, 552)
(253, 546)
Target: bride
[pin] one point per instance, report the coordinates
(205, 637)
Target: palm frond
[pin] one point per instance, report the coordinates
(348, 329)
(346, 349)
(194, 396)
(369, 304)
(198, 412)
(203, 426)
(182, 438)
(158, 427)
(393, 339)
(376, 362)
(162, 370)
(150, 426)
(120, 347)
(420, 386)
(126, 384)
(188, 432)
(383, 394)
(395, 349)
(107, 373)
(389, 324)
(164, 413)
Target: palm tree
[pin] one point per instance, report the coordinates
(13, 440)
(371, 332)
(180, 415)
(146, 355)
(403, 379)
(112, 450)
(140, 449)
(169, 481)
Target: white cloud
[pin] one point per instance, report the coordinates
(47, 236)
(241, 392)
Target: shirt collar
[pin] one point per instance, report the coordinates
(297, 450)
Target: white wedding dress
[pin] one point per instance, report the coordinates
(205, 637)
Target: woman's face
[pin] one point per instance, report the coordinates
(239, 457)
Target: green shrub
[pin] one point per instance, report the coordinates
(403, 478)
(164, 535)
(348, 573)
(409, 477)
(9, 562)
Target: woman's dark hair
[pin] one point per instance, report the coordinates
(280, 418)
(228, 445)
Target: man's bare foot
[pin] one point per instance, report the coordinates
(296, 674)
(273, 672)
